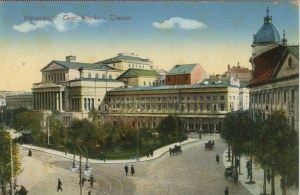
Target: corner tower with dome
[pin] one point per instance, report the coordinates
(275, 79)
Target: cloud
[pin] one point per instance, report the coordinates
(62, 22)
(27, 26)
(186, 24)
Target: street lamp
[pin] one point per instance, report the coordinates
(272, 182)
(75, 168)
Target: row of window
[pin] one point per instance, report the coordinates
(55, 77)
(24, 103)
(274, 96)
(166, 99)
(97, 76)
(173, 107)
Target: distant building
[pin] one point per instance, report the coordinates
(238, 72)
(22, 100)
(139, 77)
(185, 74)
(275, 84)
(125, 61)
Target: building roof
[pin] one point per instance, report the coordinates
(267, 63)
(125, 57)
(78, 65)
(138, 73)
(182, 69)
(153, 88)
(267, 33)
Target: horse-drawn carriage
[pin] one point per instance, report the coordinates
(175, 150)
(209, 145)
(230, 173)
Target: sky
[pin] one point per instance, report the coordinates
(213, 34)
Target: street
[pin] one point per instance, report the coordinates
(195, 171)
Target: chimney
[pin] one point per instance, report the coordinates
(70, 58)
(228, 66)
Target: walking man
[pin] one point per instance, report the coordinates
(132, 170)
(226, 191)
(126, 169)
(92, 180)
(59, 184)
(217, 158)
(268, 176)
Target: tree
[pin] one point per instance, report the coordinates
(5, 158)
(83, 133)
(278, 149)
(171, 130)
(58, 133)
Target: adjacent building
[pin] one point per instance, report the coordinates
(200, 106)
(275, 84)
(125, 61)
(185, 74)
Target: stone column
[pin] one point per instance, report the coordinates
(57, 101)
(60, 101)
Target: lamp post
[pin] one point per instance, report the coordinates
(11, 166)
(272, 180)
(137, 145)
(78, 168)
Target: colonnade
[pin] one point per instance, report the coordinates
(50, 100)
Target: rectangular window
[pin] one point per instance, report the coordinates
(201, 107)
(195, 107)
(159, 107)
(278, 96)
(207, 97)
(292, 96)
(222, 106)
(284, 96)
(176, 107)
(222, 97)
(201, 98)
(208, 107)
(195, 98)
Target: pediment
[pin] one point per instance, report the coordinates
(52, 66)
(289, 67)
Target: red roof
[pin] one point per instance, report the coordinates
(265, 65)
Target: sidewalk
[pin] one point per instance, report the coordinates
(258, 175)
(156, 154)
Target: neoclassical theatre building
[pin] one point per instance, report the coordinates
(275, 83)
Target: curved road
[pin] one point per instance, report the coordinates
(195, 171)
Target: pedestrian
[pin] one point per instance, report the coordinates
(217, 158)
(132, 170)
(29, 153)
(92, 180)
(101, 155)
(59, 184)
(23, 191)
(248, 169)
(126, 169)
(199, 135)
(268, 176)
(83, 179)
(151, 152)
(235, 176)
(226, 192)
(90, 192)
(104, 157)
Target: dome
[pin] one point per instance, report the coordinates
(267, 33)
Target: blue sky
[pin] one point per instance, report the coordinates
(213, 34)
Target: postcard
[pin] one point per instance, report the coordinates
(149, 97)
